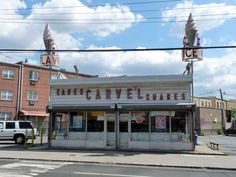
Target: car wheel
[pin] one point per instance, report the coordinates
(19, 139)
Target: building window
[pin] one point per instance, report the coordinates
(202, 104)
(178, 122)
(95, 121)
(218, 105)
(139, 122)
(5, 116)
(77, 122)
(6, 95)
(159, 123)
(8, 74)
(34, 76)
(32, 96)
(54, 76)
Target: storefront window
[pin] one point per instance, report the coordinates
(110, 121)
(77, 122)
(95, 121)
(159, 123)
(139, 122)
(178, 122)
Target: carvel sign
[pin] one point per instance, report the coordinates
(120, 94)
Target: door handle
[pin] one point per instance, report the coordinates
(14, 130)
(1, 130)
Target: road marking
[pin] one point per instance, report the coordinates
(197, 155)
(107, 174)
(27, 168)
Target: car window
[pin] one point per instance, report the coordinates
(10, 125)
(1, 125)
(24, 125)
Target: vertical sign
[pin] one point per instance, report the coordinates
(160, 122)
(77, 121)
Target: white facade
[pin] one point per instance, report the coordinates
(147, 112)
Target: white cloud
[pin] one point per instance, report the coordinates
(201, 14)
(100, 20)
(216, 73)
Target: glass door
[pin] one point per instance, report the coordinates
(123, 130)
(111, 135)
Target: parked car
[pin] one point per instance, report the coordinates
(16, 131)
(232, 129)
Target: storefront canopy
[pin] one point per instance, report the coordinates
(34, 113)
(124, 107)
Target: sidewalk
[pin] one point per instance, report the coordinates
(203, 157)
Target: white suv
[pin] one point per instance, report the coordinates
(16, 131)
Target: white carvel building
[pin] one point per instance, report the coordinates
(127, 112)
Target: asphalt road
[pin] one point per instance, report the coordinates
(23, 168)
(227, 144)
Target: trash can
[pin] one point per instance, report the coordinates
(195, 138)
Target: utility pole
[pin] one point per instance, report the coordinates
(222, 110)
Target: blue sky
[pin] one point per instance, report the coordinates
(92, 24)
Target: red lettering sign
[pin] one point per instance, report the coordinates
(139, 94)
(147, 96)
(129, 93)
(176, 96)
(63, 92)
(58, 92)
(88, 97)
(118, 93)
(168, 96)
(161, 96)
(68, 92)
(81, 91)
(98, 96)
(75, 91)
(108, 94)
(183, 96)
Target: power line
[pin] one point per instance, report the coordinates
(96, 5)
(122, 11)
(146, 18)
(109, 50)
(112, 22)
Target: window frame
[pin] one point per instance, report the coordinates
(6, 95)
(6, 115)
(30, 96)
(8, 74)
(34, 75)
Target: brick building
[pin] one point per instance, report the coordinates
(212, 114)
(25, 91)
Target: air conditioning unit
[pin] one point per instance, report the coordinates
(31, 103)
(32, 82)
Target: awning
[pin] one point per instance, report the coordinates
(34, 113)
(124, 107)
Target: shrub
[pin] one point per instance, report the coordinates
(220, 132)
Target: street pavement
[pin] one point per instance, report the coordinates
(30, 168)
(227, 144)
(202, 157)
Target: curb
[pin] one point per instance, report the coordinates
(125, 164)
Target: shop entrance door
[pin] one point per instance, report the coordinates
(111, 135)
(123, 131)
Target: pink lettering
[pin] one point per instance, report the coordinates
(129, 93)
(118, 93)
(139, 94)
(98, 96)
(108, 94)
